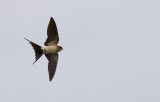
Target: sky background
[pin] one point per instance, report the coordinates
(111, 51)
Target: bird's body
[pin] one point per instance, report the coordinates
(50, 49)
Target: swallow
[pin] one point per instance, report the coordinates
(50, 50)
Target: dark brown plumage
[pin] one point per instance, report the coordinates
(52, 65)
(37, 49)
(52, 33)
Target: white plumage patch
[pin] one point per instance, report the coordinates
(49, 50)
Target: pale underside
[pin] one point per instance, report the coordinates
(49, 50)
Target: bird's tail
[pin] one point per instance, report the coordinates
(37, 49)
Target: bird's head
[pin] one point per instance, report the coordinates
(59, 48)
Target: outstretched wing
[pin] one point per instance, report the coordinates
(52, 64)
(52, 33)
(37, 49)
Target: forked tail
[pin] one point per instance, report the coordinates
(37, 49)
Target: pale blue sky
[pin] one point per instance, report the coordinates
(111, 51)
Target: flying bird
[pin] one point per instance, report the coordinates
(50, 50)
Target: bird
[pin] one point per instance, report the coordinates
(50, 48)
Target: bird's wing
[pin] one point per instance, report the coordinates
(37, 49)
(52, 33)
(52, 64)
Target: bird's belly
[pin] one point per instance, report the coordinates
(50, 50)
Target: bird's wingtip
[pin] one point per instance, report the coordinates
(52, 18)
(50, 79)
